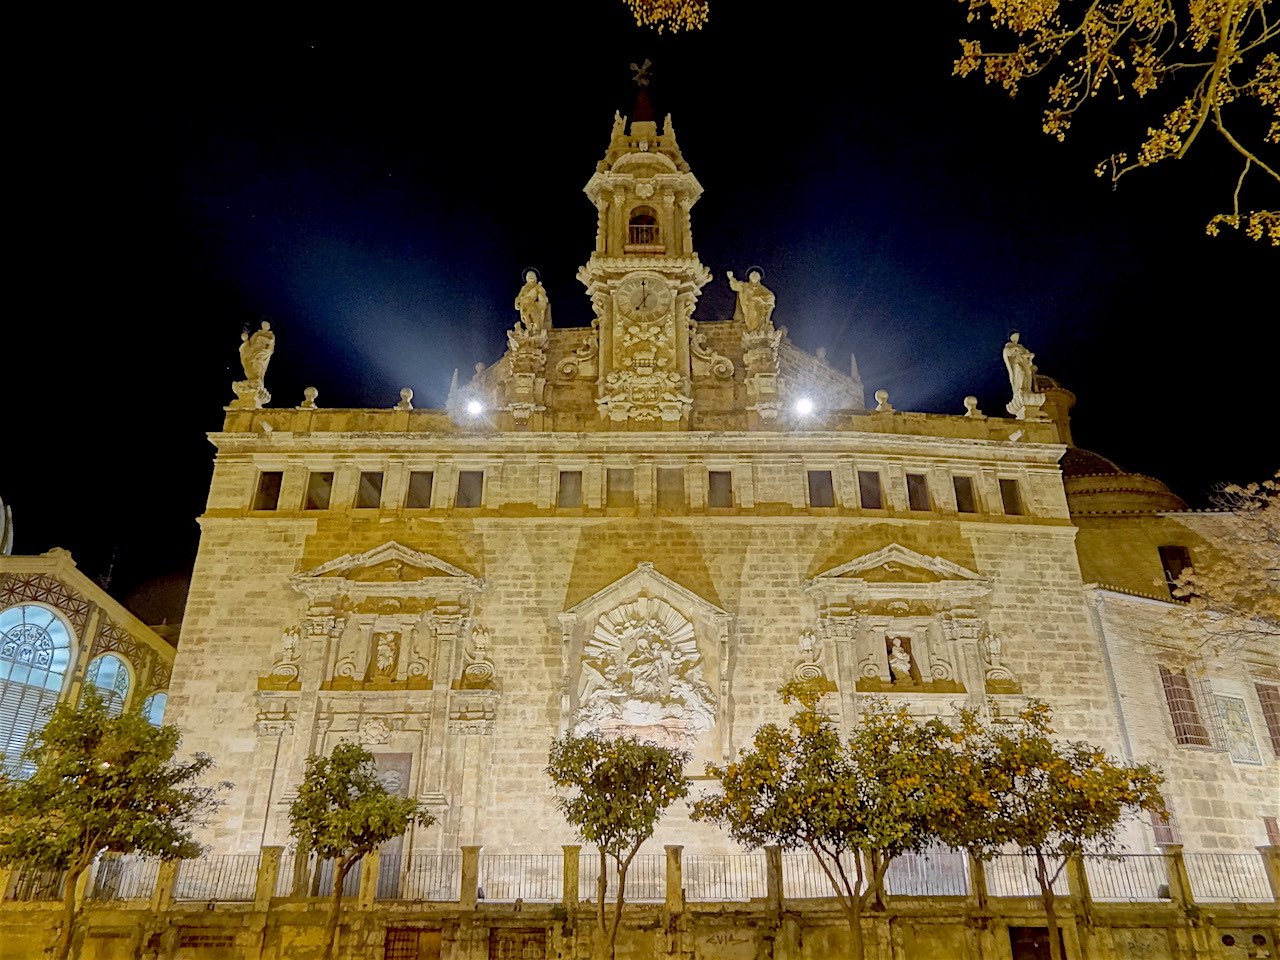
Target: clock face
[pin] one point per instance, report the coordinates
(643, 298)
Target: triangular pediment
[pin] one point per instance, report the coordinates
(898, 565)
(645, 580)
(392, 562)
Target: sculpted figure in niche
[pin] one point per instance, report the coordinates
(1022, 372)
(531, 301)
(385, 650)
(899, 661)
(256, 350)
(755, 301)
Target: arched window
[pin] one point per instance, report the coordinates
(110, 677)
(153, 708)
(642, 227)
(35, 650)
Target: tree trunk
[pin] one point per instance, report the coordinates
(617, 904)
(340, 870)
(602, 886)
(857, 950)
(62, 950)
(1050, 914)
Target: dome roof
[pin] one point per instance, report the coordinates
(1096, 485)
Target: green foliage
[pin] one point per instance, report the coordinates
(620, 788)
(103, 783)
(343, 811)
(1021, 786)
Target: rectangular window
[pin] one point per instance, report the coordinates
(1272, 825)
(1174, 560)
(1183, 710)
(1269, 698)
(822, 492)
(470, 489)
(918, 492)
(1164, 828)
(966, 499)
(719, 488)
(418, 496)
(671, 488)
(267, 496)
(569, 493)
(620, 488)
(869, 490)
(369, 492)
(319, 491)
(1011, 496)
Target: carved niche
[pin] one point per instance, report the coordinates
(374, 621)
(906, 623)
(646, 657)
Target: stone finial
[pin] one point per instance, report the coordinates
(882, 401)
(406, 399)
(971, 407)
(309, 398)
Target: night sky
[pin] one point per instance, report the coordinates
(377, 187)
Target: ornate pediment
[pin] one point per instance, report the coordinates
(389, 570)
(644, 579)
(897, 564)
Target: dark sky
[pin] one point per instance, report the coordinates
(375, 187)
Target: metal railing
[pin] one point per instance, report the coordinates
(534, 877)
(643, 233)
(934, 873)
(33, 883)
(430, 876)
(728, 877)
(122, 877)
(1238, 877)
(1014, 875)
(230, 877)
(646, 878)
(803, 877)
(1131, 877)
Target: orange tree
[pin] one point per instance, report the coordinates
(1013, 784)
(343, 811)
(854, 805)
(616, 791)
(101, 783)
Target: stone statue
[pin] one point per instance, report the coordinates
(899, 661)
(1017, 360)
(755, 302)
(531, 301)
(255, 352)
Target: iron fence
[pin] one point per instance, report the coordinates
(230, 877)
(534, 877)
(933, 873)
(1014, 875)
(803, 877)
(123, 877)
(1237, 877)
(34, 883)
(646, 878)
(1129, 876)
(427, 876)
(312, 877)
(729, 877)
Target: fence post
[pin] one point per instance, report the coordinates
(1271, 862)
(268, 872)
(675, 879)
(1179, 882)
(166, 879)
(977, 881)
(773, 877)
(370, 870)
(301, 872)
(470, 878)
(569, 887)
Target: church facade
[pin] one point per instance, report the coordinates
(647, 526)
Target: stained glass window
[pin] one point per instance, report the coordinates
(109, 675)
(35, 651)
(153, 708)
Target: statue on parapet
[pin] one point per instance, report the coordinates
(533, 305)
(255, 354)
(755, 302)
(1026, 403)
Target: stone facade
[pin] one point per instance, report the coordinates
(648, 525)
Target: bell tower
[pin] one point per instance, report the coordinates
(643, 277)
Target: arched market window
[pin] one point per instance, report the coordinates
(35, 651)
(153, 708)
(109, 675)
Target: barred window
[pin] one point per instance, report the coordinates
(1183, 710)
(1164, 828)
(1269, 698)
(110, 677)
(35, 651)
